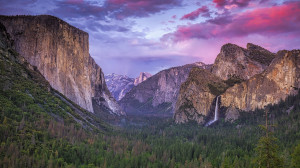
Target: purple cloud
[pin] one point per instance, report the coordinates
(228, 4)
(121, 9)
(116, 9)
(264, 21)
(204, 11)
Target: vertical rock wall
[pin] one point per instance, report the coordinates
(61, 53)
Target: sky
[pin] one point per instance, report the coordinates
(132, 36)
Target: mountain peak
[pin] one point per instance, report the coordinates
(143, 76)
(229, 47)
(235, 61)
(145, 73)
(251, 46)
(260, 54)
(199, 64)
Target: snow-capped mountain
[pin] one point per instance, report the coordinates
(119, 85)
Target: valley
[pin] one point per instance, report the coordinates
(59, 109)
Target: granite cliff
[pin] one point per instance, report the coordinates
(280, 79)
(141, 78)
(61, 53)
(234, 67)
(24, 91)
(196, 96)
(158, 94)
(238, 62)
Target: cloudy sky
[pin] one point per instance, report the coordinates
(131, 36)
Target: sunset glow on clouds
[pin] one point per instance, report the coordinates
(204, 11)
(263, 21)
(130, 36)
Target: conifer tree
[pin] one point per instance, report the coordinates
(267, 149)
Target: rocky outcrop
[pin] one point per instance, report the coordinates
(197, 95)
(159, 92)
(142, 77)
(119, 85)
(281, 78)
(231, 114)
(61, 53)
(238, 62)
(233, 65)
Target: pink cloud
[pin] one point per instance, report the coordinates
(264, 21)
(229, 4)
(195, 14)
(220, 3)
(174, 17)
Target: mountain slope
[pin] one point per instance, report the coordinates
(61, 53)
(158, 94)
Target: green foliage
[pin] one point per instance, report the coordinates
(217, 88)
(267, 153)
(233, 80)
(296, 157)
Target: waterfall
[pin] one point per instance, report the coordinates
(216, 113)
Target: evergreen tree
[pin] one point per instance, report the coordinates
(267, 149)
(226, 163)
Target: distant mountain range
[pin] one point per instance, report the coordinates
(158, 94)
(119, 85)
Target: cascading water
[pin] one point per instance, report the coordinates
(216, 113)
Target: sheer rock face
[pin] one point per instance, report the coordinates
(159, 92)
(235, 61)
(61, 53)
(143, 76)
(281, 78)
(196, 97)
(119, 85)
(232, 65)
